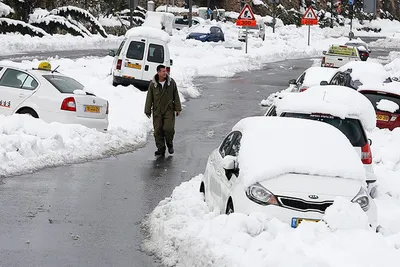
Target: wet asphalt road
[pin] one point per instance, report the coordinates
(90, 214)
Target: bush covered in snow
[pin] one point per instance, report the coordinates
(54, 24)
(10, 25)
(5, 10)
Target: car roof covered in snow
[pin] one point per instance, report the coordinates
(268, 149)
(370, 74)
(335, 100)
(148, 32)
(390, 88)
(314, 75)
(203, 28)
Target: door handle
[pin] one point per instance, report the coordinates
(146, 67)
(340, 59)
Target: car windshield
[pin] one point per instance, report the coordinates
(376, 98)
(351, 128)
(65, 85)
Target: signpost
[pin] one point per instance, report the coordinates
(246, 19)
(309, 18)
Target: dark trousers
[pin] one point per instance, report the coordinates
(164, 130)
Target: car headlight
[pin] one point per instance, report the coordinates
(260, 195)
(362, 199)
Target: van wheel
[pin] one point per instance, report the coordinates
(28, 111)
(203, 190)
(115, 84)
(229, 207)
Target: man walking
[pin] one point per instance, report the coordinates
(163, 98)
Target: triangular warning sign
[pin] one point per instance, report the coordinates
(246, 13)
(310, 14)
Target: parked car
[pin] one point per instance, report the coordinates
(339, 55)
(360, 75)
(138, 56)
(181, 22)
(260, 167)
(207, 33)
(310, 77)
(362, 47)
(386, 101)
(50, 96)
(257, 31)
(341, 107)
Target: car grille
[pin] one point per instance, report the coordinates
(302, 205)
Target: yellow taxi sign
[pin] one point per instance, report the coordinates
(343, 50)
(44, 66)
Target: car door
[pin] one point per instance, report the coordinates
(219, 34)
(15, 87)
(134, 59)
(156, 55)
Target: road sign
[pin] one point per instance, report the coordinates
(309, 17)
(246, 17)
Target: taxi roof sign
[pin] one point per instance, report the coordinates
(246, 17)
(342, 50)
(309, 17)
(44, 65)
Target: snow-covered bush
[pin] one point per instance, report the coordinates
(11, 25)
(138, 16)
(288, 17)
(5, 10)
(53, 24)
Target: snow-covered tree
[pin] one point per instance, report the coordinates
(5, 10)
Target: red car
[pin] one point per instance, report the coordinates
(384, 119)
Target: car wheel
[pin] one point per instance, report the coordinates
(28, 111)
(229, 207)
(203, 190)
(115, 84)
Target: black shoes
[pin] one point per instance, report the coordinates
(159, 153)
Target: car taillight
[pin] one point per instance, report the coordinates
(107, 110)
(68, 104)
(119, 64)
(366, 154)
(393, 118)
(302, 89)
(169, 70)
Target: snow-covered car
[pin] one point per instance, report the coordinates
(362, 47)
(361, 75)
(50, 96)
(181, 22)
(339, 55)
(310, 77)
(207, 33)
(257, 31)
(342, 107)
(386, 101)
(261, 167)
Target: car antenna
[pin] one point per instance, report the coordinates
(55, 69)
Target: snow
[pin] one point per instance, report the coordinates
(174, 9)
(23, 24)
(370, 74)
(258, 3)
(37, 14)
(335, 100)
(148, 32)
(314, 75)
(201, 29)
(109, 21)
(5, 10)
(260, 134)
(387, 105)
(61, 20)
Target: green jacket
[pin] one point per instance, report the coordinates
(162, 99)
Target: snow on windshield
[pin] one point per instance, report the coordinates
(269, 150)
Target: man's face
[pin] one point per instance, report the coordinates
(162, 73)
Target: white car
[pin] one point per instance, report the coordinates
(262, 167)
(182, 22)
(342, 107)
(257, 31)
(50, 96)
(311, 77)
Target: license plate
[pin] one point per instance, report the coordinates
(92, 109)
(134, 66)
(382, 117)
(297, 221)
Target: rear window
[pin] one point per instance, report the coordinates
(65, 85)
(351, 128)
(376, 97)
(156, 53)
(135, 50)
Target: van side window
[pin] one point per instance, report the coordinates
(120, 47)
(156, 53)
(135, 50)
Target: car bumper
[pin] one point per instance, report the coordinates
(388, 125)
(140, 84)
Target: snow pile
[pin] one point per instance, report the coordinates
(387, 105)
(340, 160)
(183, 232)
(5, 10)
(314, 75)
(369, 74)
(148, 32)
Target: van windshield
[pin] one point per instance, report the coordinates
(135, 50)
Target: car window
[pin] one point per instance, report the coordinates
(64, 84)
(338, 79)
(135, 50)
(376, 97)
(271, 112)
(156, 53)
(195, 22)
(300, 80)
(30, 83)
(13, 78)
(226, 146)
(351, 128)
(120, 47)
(236, 144)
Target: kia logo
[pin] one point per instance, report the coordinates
(313, 196)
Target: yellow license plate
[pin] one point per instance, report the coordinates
(382, 117)
(134, 66)
(297, 221)
(92, 109)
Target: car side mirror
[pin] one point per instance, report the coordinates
(292, 82)
(230, 164)
(171, 62)
(323, 83)
(324, 52)
(370, 142)
(111, 53)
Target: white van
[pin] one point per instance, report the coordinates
(138, 56)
